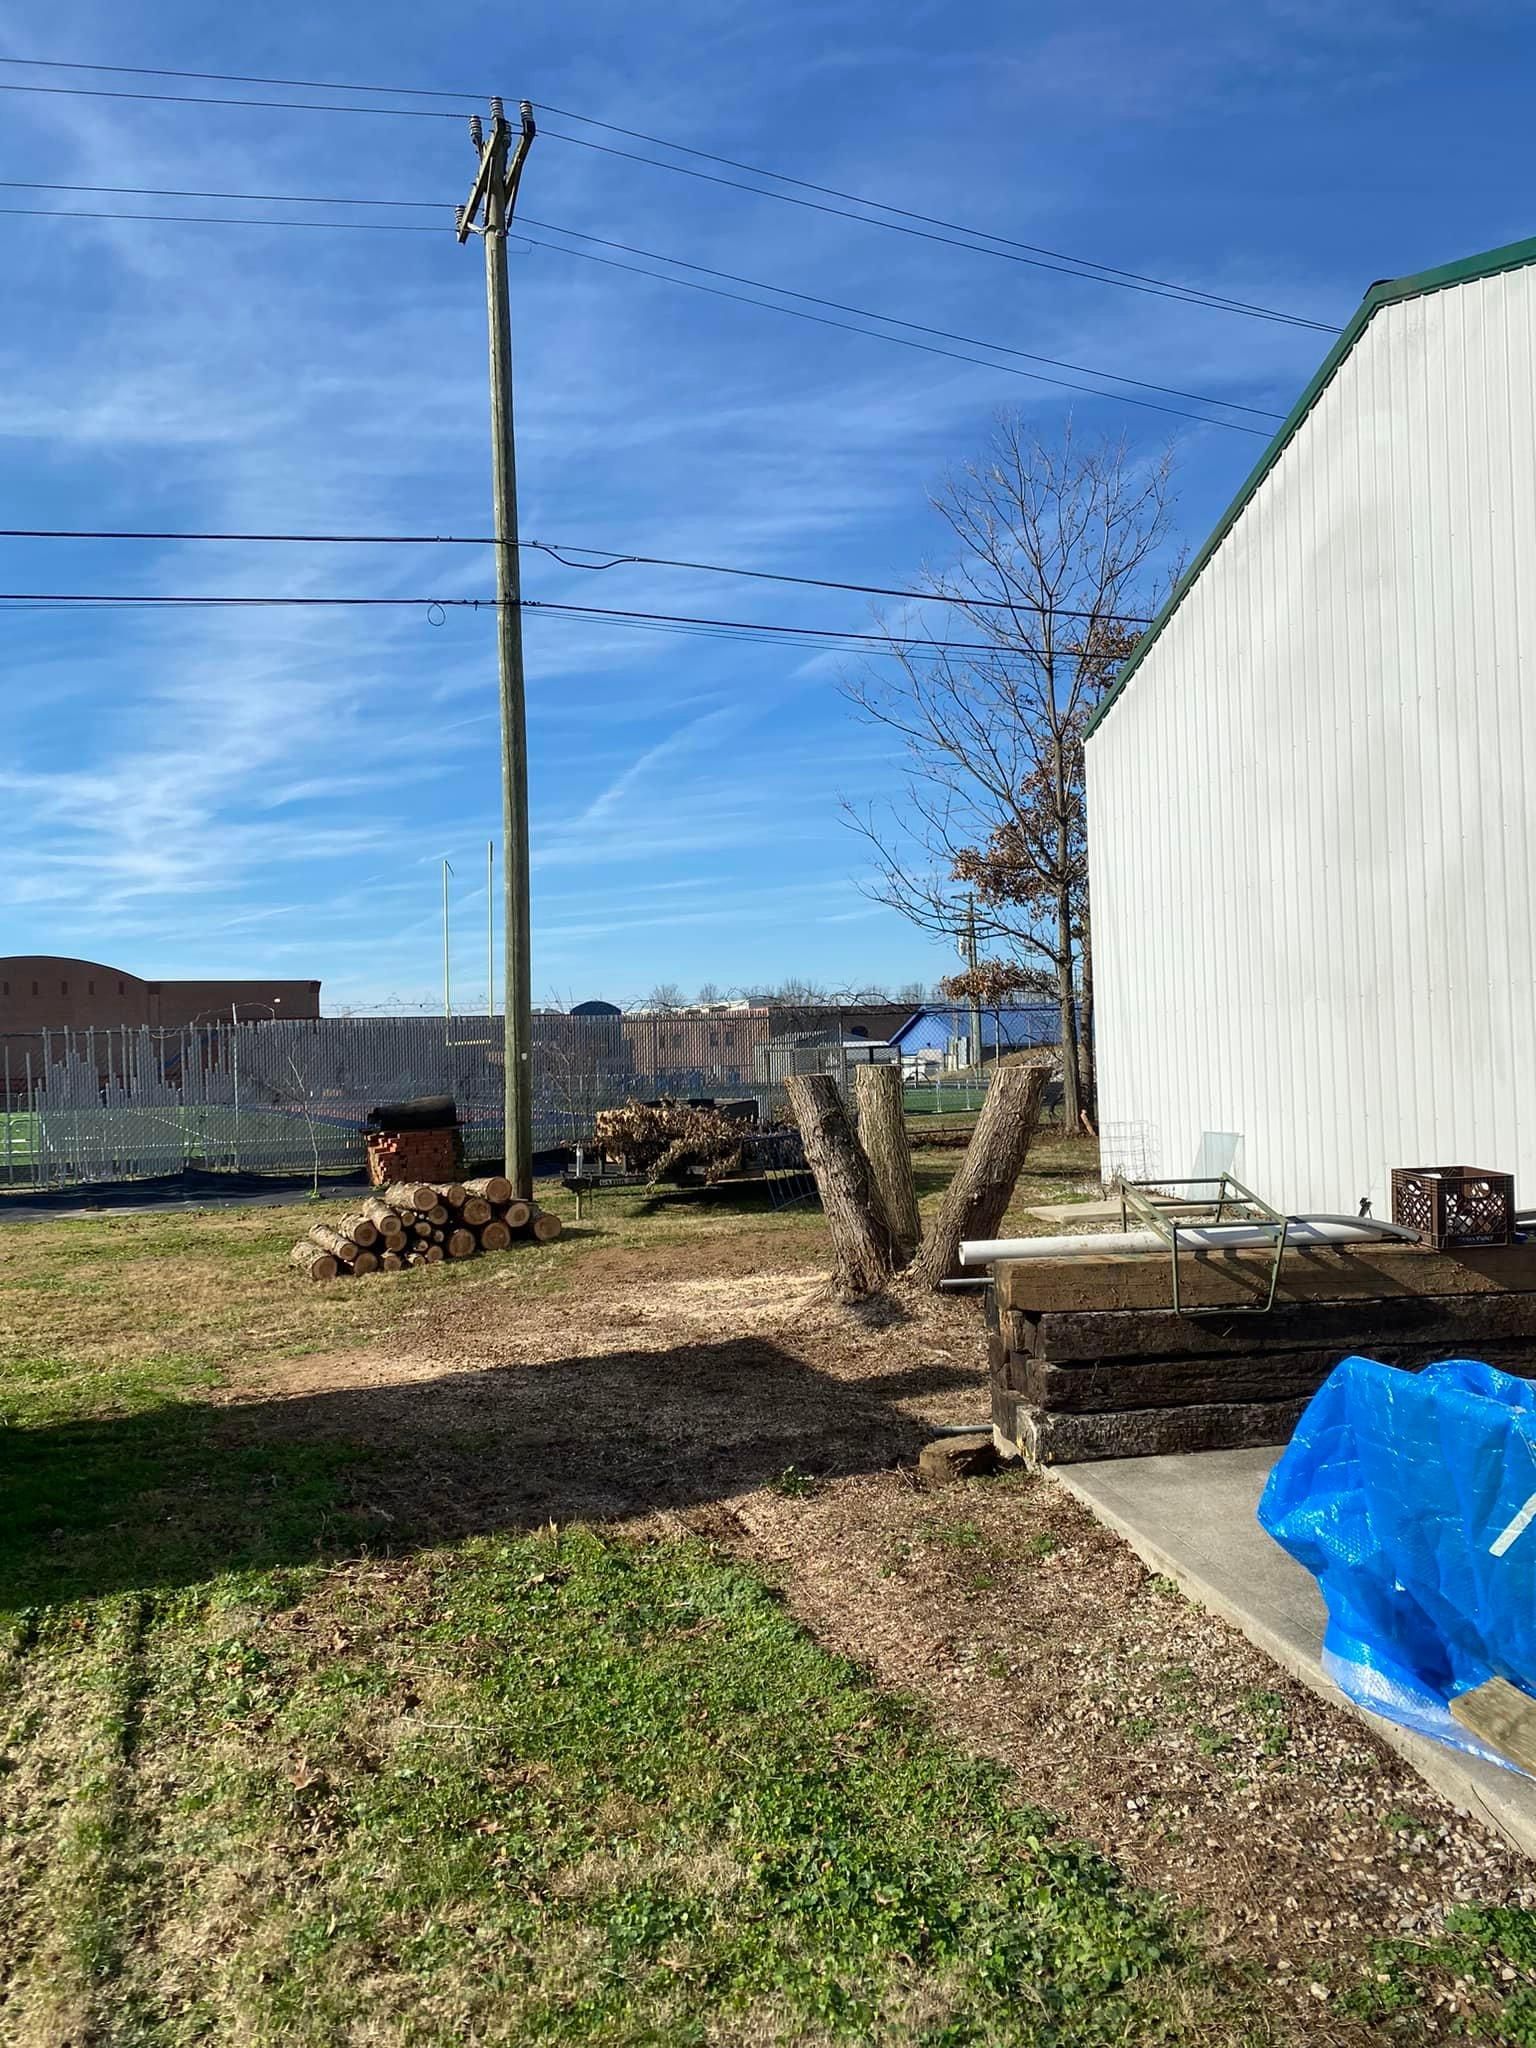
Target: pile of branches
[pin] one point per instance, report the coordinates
(672, 1141)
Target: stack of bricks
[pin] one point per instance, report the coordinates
(414, 1155)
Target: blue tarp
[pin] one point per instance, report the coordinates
(1411, 1497)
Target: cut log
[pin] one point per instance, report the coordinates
(883, 1134)
(474, 1210)
(390, 1222)
(410, 1194)
(433, 1255)
(360, 1228)
(976, 1199)
(461, 1244)
(343, 1248)
(856, 1220)
(492, 1188)
(494, 1236)
(390, 1262)
(437, 1215)
(452, 1193)
(516, 1215)
(318, 1264)
(366, 1262)
(421, 1229)
(546, 1228)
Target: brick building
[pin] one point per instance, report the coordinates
(44, 992)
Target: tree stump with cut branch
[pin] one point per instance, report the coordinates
(850, 1198)
(883, 1134)
(976, 1199)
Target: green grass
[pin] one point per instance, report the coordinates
(276, 1769)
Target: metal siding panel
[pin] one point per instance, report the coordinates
(1310, 818)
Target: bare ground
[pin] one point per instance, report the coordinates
(688, 1389)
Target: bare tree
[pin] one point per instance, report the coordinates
(1059, 549)
(666, 995)
(708, 994)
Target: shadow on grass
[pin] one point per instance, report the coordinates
(183, 1492)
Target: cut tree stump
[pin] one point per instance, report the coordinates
(850, 1197)
(317, 1264)
(976, 1199)
(883, 1134)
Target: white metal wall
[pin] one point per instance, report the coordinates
(1312, 813)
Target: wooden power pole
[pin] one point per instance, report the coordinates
(486, 212)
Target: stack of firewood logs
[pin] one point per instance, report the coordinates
(419, 1223)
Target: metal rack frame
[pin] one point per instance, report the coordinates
(1157, 1210)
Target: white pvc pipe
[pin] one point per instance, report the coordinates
(1195, 1237)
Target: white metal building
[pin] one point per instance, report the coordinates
(1312, 792)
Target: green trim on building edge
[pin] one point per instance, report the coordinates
(1513, 256)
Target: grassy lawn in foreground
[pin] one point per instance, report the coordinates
(273, 1770)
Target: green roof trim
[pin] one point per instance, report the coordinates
(1513, 256)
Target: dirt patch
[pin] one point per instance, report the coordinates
(757, 1409)
(1156, 1731)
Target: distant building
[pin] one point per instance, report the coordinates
(44, 992)
(939, 1035)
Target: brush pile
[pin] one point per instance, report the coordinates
(675, 1141)
(420, 1223)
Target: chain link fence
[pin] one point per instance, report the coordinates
(291, 1096)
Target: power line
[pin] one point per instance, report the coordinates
(420, 92)
(184, 192)
(1020, 251)
(186, 99)
(932, 220)
(690, 284)
(554, 227)
(557, 550)
(901, 341)
(1184, 295)
(895, 320)
(217, 220)
(778, 628)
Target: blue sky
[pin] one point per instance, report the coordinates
(270, 792)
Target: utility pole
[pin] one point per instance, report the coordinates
(493, 197)
(968, 954)
(447, 994)
(490, 928)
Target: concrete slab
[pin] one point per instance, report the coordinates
(1192, 1518)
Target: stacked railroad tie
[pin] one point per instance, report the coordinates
(1090, 1359)
(421, 1223)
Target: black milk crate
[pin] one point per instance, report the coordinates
(1454, 1205)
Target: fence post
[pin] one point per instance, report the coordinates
(10, 1143)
